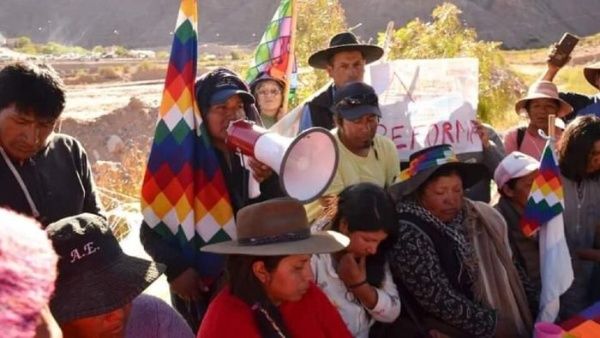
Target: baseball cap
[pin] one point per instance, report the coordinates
(355, 100)
(514, 165)
(228, 86)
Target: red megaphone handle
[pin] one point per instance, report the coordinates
(242, 135)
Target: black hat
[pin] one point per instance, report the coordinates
(344, 42)
(425, 162)
(354, 100)
(94, 275)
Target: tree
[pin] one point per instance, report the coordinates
(317, 22)
(446, 36)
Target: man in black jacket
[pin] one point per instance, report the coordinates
(344, 60)
(43, 174)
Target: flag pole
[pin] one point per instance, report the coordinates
(387, 41)
(551, 126)
(291, 59)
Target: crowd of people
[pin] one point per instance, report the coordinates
(390, 249)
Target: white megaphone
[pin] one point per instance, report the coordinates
(305, 164)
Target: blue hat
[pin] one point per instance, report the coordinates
(355, 100)
(225, 88)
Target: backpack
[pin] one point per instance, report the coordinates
(520, 136)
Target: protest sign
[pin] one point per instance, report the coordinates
(427, 102)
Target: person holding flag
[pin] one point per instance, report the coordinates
(514, 177)
(579, 163)
(194, 184)
(543, 213)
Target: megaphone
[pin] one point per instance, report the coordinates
(305, 164)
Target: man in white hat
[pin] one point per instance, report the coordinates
(514, 177)
(344, 60)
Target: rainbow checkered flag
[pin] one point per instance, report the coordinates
(274, 54)
(184, 196)
(543, 213)
(546, 196)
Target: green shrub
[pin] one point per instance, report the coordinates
(446, 36)
(318, 21)
(236, 55)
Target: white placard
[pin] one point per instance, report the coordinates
(427, 102)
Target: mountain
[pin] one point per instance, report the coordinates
(149, 23)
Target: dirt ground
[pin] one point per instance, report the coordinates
(111, 120)
(94, 113)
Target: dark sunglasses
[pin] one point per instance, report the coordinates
(357, 100)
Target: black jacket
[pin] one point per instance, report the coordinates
(58, 178)
(320, 109)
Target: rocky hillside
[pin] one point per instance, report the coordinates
(146, 23)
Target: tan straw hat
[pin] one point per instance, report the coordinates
(543, 90)
(277, 227)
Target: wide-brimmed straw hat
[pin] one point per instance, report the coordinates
(344, 42)
(277, 227)
(425, 162)
(543, 90)
(591, 73)
(94, 275)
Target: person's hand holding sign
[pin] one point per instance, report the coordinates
(482, 132)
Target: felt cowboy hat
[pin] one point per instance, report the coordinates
(425, 162)
(344, 42)
(277, 227)
(591, 73)
(543, 90)
(94, 275)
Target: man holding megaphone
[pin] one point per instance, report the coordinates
(222, 97)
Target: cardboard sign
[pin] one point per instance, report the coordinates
(427, 102)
